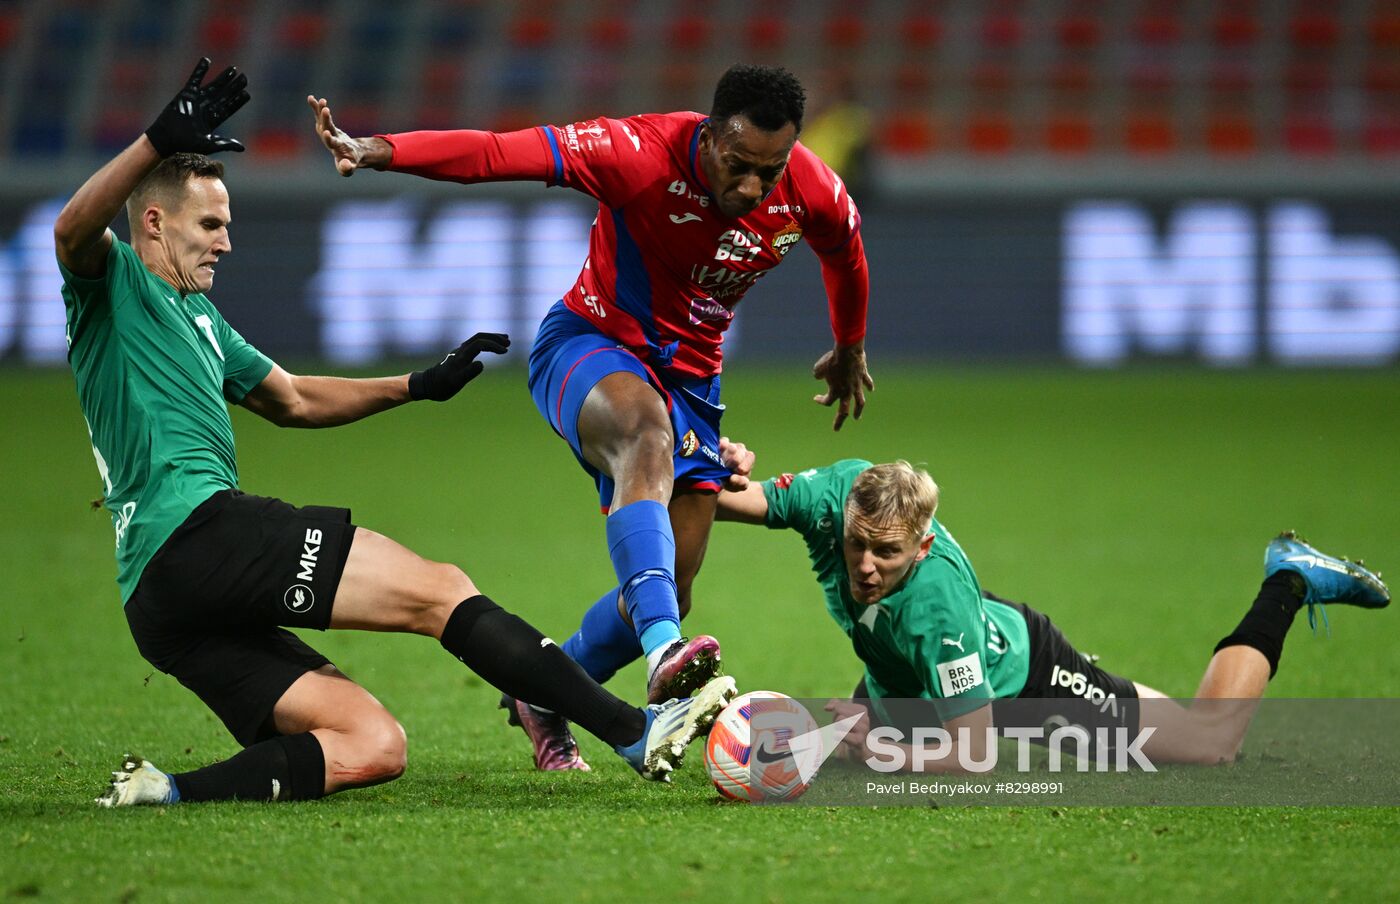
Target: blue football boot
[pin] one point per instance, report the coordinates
(1327, 579)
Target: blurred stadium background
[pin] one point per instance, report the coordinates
(1058, 194)
(1080, 180)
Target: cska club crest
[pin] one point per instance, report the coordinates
(689, 443)
(785, 238)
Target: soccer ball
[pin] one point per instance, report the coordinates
(753, 762)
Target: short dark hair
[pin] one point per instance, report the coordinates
(166, 183)
(770, 96)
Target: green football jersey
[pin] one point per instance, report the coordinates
(154, 371)
(935, 637)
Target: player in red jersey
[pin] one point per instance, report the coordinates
(692, 211)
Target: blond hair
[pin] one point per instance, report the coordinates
(896, 494)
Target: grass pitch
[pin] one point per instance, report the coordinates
(1132, 507)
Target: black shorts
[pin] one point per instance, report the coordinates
(210, 602)
(1063, 687)
(1067, 686)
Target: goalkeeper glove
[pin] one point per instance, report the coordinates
(445, 379)
(188, 122)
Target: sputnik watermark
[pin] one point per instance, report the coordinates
(1107, 750)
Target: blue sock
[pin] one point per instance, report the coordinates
(174, 790)
(604, 642)
(643, 552)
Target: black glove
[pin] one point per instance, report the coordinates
(188, 122)
(445, 379)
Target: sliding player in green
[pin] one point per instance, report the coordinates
(904, 592)
(210, 577)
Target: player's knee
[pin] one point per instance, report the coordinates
(392, 751)
(382, 749)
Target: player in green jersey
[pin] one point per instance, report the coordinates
(209, 576)
(904, 592)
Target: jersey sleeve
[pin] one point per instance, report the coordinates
(831, 220)
(947, 643)
(244, 366)
(801, 501)
(84, 293)
(604, 158)
(792, 500)
(609, 159)
(470, 156)
(832, 228)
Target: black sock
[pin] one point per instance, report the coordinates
(288, 767)
(513, 656)
(1267, 622)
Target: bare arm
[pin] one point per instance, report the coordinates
(747, 506)
(289, 400)
(80, 233)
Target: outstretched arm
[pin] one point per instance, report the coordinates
(186, 124)
(289, 400)
(463, 155)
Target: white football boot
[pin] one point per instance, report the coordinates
(137, 782)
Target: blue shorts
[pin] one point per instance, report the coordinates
(570, 356)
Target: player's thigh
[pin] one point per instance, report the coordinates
(692, 516)
(623, 424)
(387, 587)
(598, 396)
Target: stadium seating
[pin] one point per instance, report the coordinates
(1052, 79)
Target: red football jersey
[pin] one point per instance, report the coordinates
(665, 269)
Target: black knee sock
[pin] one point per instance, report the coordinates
(517, 659)
(1266, 623)
(289, 767)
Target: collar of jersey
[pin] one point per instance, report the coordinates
(179, 296)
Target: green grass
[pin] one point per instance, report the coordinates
(1132, 507)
